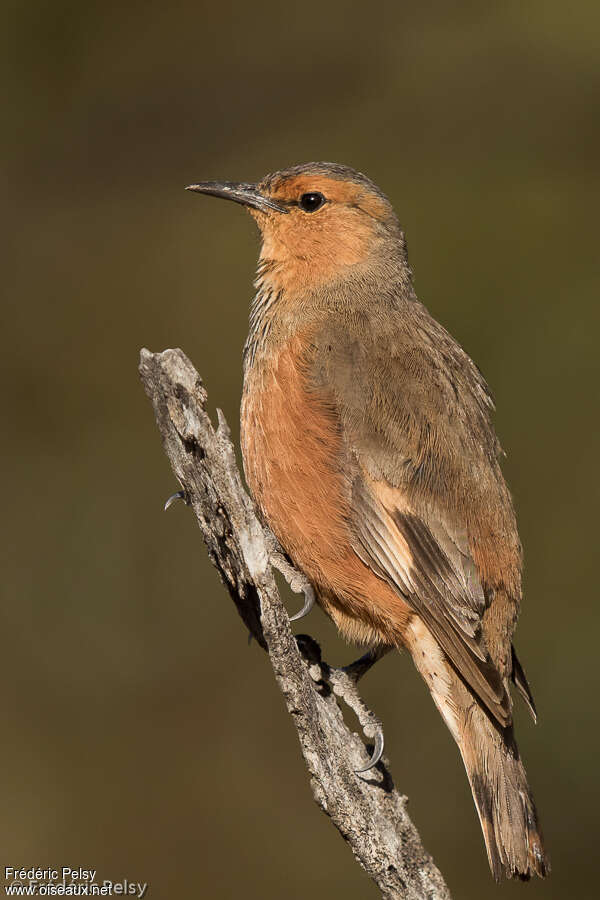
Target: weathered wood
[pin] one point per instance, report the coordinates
(367, 809)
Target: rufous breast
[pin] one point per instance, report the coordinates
(297, 469)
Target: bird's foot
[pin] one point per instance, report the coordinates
(343, 682)
(344, 685)
(178, 495)
(298, 582)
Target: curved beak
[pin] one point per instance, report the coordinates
(246, 194)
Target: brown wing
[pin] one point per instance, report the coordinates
(430, 565)
(427, 490)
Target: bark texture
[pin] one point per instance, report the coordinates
(367, 809)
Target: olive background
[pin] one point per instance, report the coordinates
(142, 736)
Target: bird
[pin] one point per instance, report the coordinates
(369, 449)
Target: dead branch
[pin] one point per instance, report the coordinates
(367, 809)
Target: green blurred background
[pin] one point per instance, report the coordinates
(142, 736)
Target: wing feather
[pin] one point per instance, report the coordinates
(421, 458)
(442, 589)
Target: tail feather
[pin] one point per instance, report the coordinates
(504, 802)
(520, 681)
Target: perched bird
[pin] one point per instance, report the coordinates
(369, 449)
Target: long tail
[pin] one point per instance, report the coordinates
(503, 798)
(504, 802)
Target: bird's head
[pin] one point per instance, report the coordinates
(317, 220)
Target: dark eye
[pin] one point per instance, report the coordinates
(312, 202)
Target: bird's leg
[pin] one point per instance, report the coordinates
(343, 683)
(361, 666)
(298, 582)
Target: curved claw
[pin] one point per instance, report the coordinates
(178, 495)
(377, 753)
(309, 602)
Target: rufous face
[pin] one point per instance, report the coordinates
(317, 221)
(330, 223)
